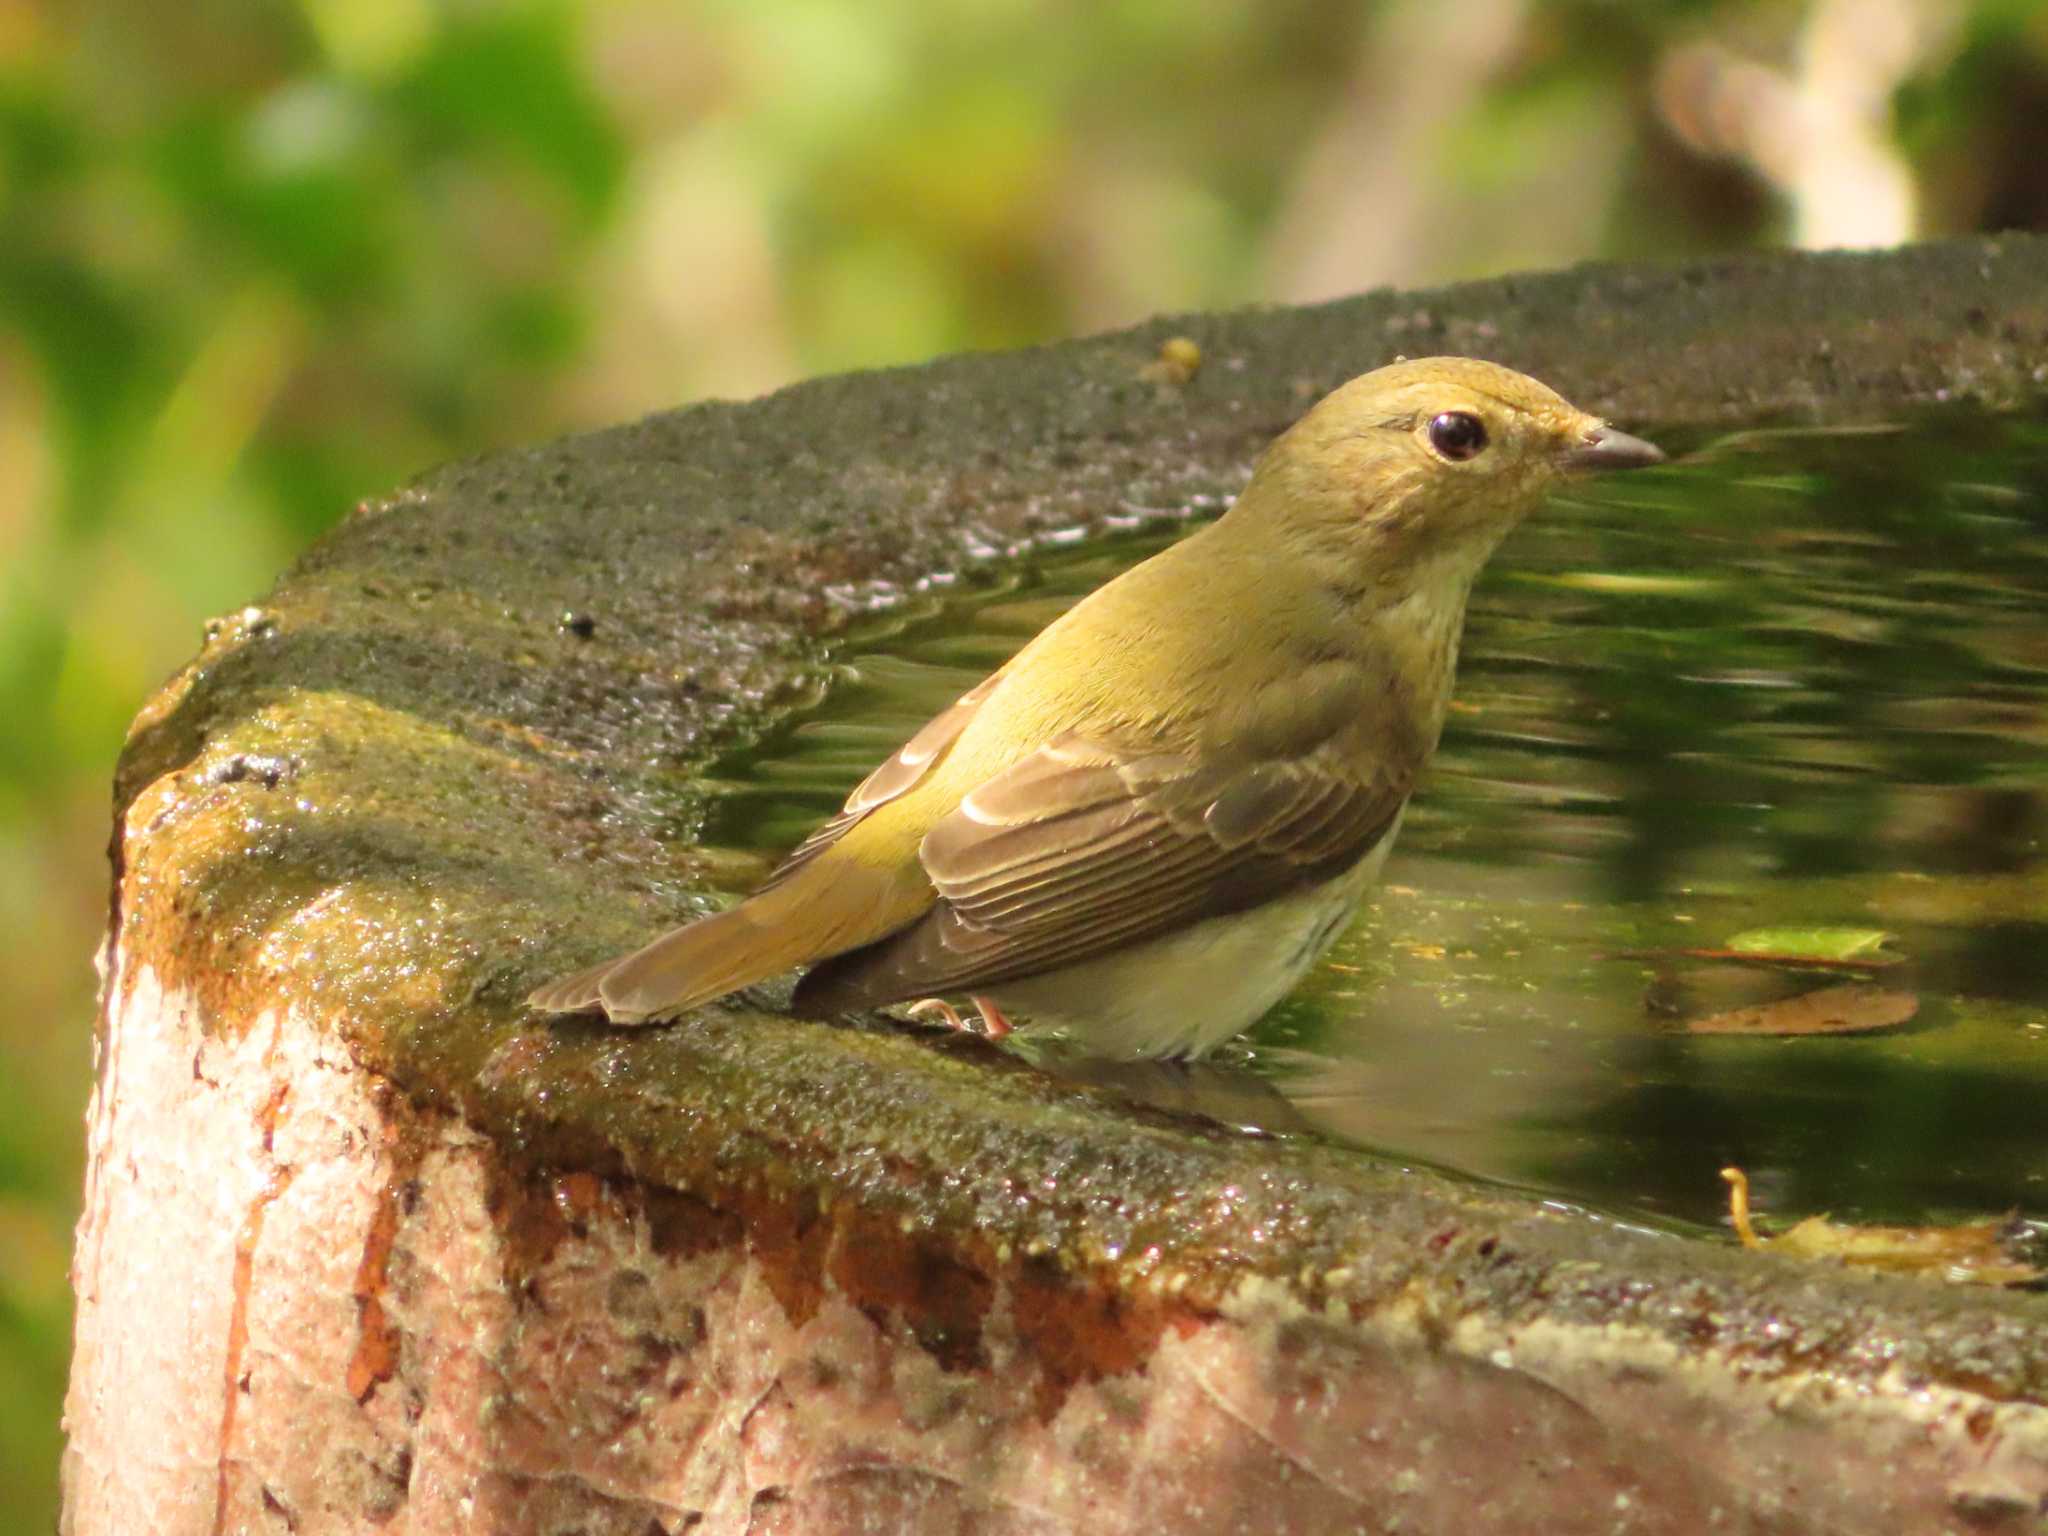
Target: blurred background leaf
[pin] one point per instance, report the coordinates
(260, 259)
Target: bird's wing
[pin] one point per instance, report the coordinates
(897, 776)
(1078, 850)
(714, 955)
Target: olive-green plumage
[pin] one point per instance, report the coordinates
(1147, 825)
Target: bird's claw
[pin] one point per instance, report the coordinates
(938, 1006)
(993, 1025)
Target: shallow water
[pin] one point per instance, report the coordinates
(1796, 679)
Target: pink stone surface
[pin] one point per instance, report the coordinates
(368, 1247)
(559, 1362)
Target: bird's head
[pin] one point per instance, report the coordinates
(1438, 455)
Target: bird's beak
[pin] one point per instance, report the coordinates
(1606, 448)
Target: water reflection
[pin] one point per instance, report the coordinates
(1799, 678)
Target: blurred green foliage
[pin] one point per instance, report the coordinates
(257, 263)
(261, 258)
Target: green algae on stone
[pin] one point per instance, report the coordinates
(408, 790)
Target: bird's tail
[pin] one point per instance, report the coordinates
(787, 925)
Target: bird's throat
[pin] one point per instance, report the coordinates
(1411, 635)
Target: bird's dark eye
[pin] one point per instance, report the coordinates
(1457, 435)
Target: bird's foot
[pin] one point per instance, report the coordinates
(993, 1025)
(930, 1006)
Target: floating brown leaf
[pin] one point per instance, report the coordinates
(1846, 1010)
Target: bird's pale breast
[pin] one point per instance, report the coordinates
(1185, 992)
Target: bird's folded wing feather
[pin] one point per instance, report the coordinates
(705, 959)
(902, 772)
(1078, 850)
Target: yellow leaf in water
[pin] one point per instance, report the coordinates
(1973, 1253)
(1636, 584)
(1837, 944)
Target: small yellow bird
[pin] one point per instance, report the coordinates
(1147, 825)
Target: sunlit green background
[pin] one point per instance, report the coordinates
(261, 260)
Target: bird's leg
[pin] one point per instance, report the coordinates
(993, 1025)
(939, 1006)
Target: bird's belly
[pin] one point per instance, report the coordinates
(1184, 993)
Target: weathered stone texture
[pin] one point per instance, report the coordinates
(368, 1248)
